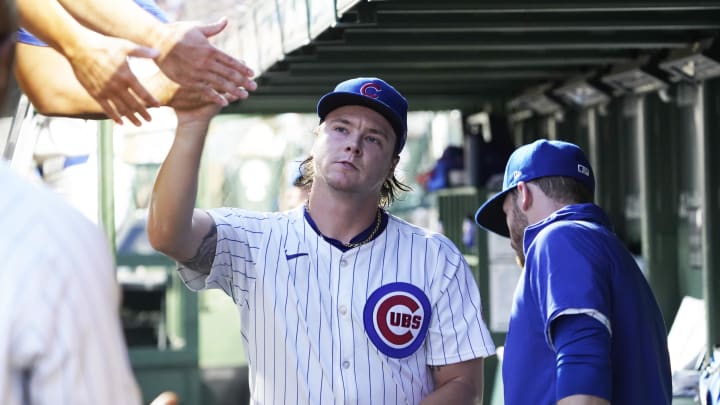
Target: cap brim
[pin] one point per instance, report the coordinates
(332, 101)
(491, 215)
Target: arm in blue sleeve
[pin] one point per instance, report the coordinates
(582, 347)
(150, 6)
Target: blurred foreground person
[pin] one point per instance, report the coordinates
(61, 341)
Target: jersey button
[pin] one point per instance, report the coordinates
(343, 310)
(343, 263)
(346, 364)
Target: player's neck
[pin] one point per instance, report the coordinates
(341, 218)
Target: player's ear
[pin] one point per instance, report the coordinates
(393, 165)
(525, 196)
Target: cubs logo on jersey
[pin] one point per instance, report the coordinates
(396, 318)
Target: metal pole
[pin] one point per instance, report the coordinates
(710, 186)
(106, 181)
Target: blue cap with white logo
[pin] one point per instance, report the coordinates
(373, 93)
(541, 158)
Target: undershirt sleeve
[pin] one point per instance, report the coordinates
(582, 346)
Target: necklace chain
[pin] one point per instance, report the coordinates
(378, 221)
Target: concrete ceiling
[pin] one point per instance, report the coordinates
(470, 54)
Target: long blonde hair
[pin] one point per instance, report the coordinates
(389, 192)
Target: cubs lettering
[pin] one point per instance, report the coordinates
(395, 320)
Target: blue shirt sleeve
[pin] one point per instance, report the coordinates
(150, 6)
(582, 347)
(568, 273)
(26, 37)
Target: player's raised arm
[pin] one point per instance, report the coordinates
(175, 227)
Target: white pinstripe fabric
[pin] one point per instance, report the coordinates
(302, 316)
(60, 337)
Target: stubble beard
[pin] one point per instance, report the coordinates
(517, 231)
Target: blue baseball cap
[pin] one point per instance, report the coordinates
(541, 158)
(373, 93)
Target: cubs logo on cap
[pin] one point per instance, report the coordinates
(373, 93)
(396, 319)
(371, 90)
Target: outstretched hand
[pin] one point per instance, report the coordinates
(189, 104)
(199, 116)
(188, 58)
(182, 98)
(101, 66)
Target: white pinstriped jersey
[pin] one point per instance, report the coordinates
(323, 326)
(60, 337)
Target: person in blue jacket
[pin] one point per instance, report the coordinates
(585, 327)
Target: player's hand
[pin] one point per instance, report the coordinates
(188, 58)
(199, 116)
(166, 398)
(178, 97)
(100, 65)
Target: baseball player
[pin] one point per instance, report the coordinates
(585, 327)
(340, 302)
